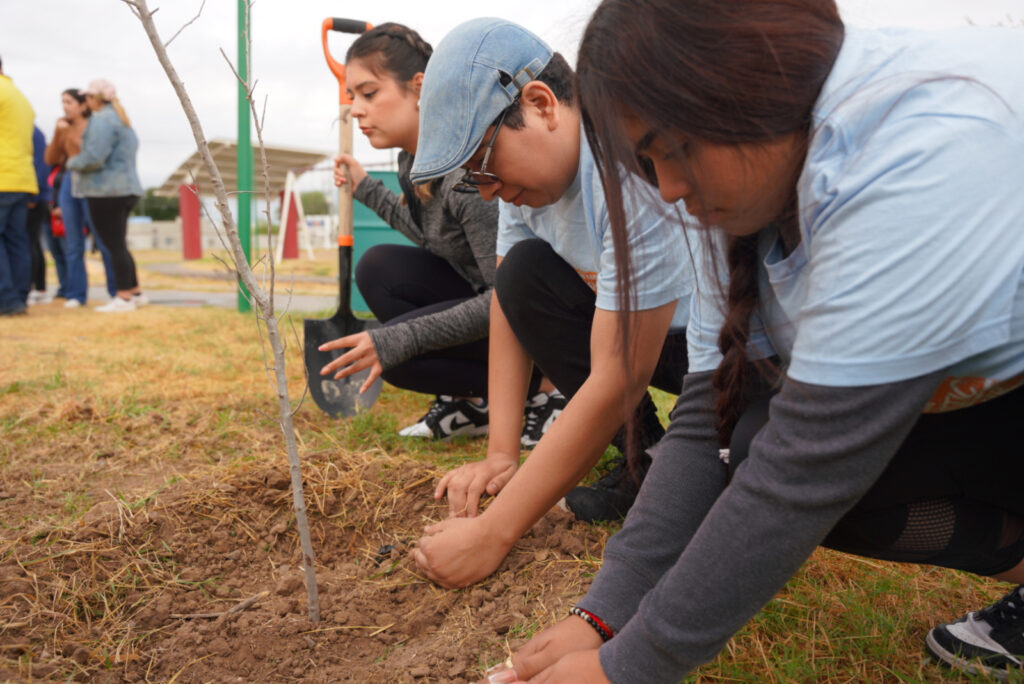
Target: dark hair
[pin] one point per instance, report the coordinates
(721, 71)
(79, 97)
(394, 48)
(76, 94)
(402, 53)
(557, 75)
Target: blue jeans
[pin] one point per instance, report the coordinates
(15, 254)
(75, 211)
(56, 246)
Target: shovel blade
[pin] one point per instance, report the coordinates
(336, 397)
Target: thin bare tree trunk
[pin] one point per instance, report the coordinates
(263, 300)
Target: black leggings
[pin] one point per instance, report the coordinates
(953, 495)
(400, 283)
(37, 215)
(110, 219)
(551, 310)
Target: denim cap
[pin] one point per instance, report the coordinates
(464, 90)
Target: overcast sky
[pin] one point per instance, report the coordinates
(49, 45)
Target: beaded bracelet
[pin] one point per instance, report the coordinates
(597, 623)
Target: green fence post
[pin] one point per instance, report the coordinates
(244, 152)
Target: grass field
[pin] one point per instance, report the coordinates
(113, 424)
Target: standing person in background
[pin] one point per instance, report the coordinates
(857, 337)
(39, 221)
(71, 206)
(434, 298)
(17, 185)
(107, 178)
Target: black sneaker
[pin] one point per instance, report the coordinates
(989, 642)
(449, 417)
(541, 410)
(611, 497)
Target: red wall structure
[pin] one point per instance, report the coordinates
(188, 209)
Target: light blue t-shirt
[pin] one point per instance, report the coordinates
(578, 229)
(911, 206)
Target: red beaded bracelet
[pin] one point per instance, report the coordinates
(597, 623)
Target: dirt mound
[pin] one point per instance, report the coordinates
(144, 594)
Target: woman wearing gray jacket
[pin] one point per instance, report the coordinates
(107, 178)
(434, 299)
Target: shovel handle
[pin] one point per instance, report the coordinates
(345, 228)
(337, 68)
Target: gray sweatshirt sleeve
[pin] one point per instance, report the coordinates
(392, 210)
(464, 322)
(695, 559)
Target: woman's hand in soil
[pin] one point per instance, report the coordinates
(467, 483)
(459, 551)
(580, 666)
(348, 170)
(362, 355)
(553, 645)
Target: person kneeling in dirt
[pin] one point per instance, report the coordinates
(498, 102)
(434, 298)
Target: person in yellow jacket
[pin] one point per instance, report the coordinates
(17, 184)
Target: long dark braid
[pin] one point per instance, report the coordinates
(734, 375)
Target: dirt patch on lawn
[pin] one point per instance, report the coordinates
(120, 596)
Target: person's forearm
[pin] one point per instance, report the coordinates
(575, 442)
(54, 152)
(388, 206)
(508, 378)
(462, 323)
(570, 448)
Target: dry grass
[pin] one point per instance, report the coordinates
(132, 445)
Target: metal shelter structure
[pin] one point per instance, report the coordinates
(281, 160)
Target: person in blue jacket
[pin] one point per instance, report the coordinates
(856, 340)
(106, 176)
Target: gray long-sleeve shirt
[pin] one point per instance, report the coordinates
(696, 559)
(460, 228)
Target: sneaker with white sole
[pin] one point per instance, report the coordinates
(117, 305)
(988, 642)
(72, 304)
(140, 299)
(541, 410)
(38, 297)
(449, 417)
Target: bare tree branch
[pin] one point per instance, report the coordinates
(186, 25)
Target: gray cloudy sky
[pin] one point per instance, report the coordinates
(49, 45)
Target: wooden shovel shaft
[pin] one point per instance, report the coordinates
(345, 228)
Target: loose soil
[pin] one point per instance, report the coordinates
(123, 588)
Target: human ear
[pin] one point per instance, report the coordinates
(539, 98)
(416, 83)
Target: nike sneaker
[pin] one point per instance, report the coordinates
(541, 410)
(449, 417)
(988, 642)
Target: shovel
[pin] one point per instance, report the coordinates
(339, 397)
